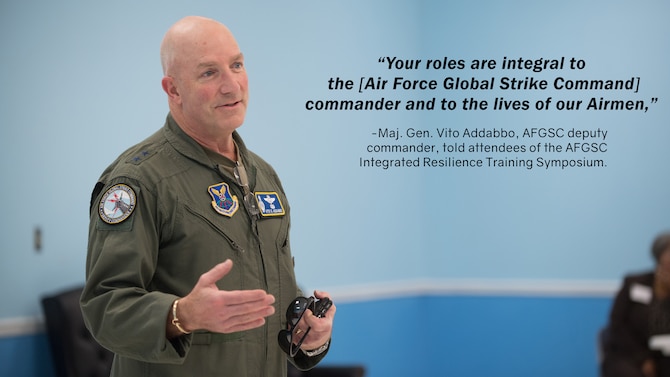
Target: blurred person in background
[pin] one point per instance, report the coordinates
(640, 314)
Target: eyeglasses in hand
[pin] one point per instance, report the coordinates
(294, 314)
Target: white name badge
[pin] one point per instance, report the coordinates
(641, 293)
(661, 343)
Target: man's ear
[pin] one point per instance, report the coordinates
(170, 89)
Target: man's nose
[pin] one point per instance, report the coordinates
(229, 83)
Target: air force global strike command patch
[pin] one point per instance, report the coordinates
(117, 204)
(224, 203)
(269, 204)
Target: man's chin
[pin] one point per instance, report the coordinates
(231, 123)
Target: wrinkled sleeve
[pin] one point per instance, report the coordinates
(119, 308)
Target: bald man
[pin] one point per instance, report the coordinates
(189, 269)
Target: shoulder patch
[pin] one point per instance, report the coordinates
(117, 204)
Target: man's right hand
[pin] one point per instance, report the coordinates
(207, 307)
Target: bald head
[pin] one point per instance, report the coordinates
(205, 80)
(185, 36)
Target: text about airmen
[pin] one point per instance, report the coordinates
(509, 84)
(512, 82)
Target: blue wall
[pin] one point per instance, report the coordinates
(472, 336)
(25, 356)
(432, 336)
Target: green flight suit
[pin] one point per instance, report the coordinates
(169, 226)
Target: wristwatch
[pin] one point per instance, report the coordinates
(317, 351)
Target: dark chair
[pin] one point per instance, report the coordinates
(74, 351)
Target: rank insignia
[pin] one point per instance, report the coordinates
(224, 203)
(117, 204)
(269, 204)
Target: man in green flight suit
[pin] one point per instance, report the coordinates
(189, 269)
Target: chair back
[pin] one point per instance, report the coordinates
(74, 351)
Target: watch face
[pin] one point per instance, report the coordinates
(117, 204)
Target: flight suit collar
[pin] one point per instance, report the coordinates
(188, 147)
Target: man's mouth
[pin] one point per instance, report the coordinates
(231, 104)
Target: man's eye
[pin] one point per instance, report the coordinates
(238, 65)
(208, 73)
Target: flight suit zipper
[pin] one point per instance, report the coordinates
(232, 242)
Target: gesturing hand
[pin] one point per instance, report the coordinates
(207, 307)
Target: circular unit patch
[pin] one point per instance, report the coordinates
(117, 204)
